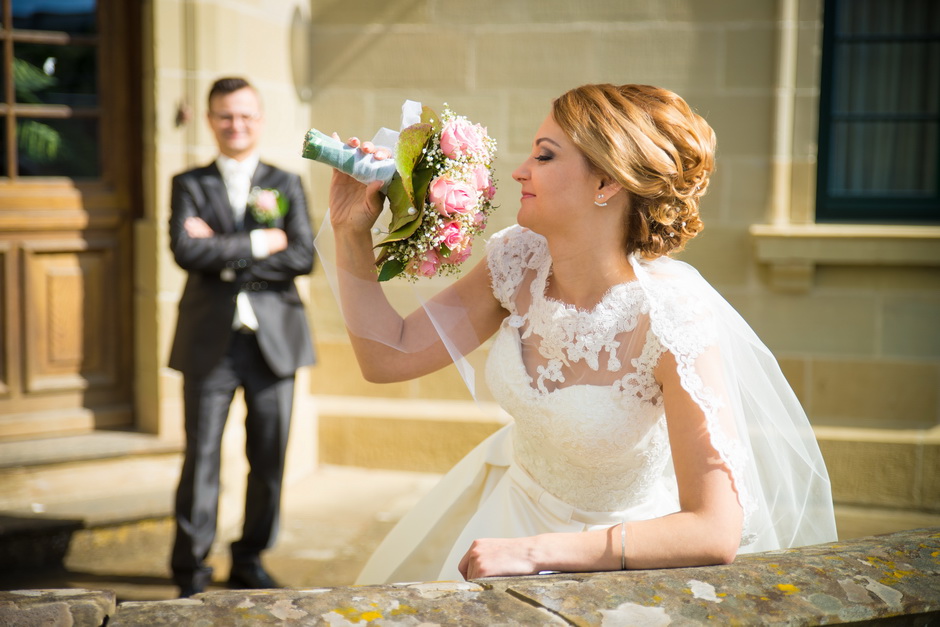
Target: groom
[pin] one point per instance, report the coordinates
(241, 324)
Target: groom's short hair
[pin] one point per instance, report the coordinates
(227, 85)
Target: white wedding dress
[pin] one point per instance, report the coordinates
(588, 446)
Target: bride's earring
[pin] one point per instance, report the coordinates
(598, 202)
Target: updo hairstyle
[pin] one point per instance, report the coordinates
(651, 142)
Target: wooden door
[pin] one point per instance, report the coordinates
(69, 189)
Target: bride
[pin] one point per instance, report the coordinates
(651, 428)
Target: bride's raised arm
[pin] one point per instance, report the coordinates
(388, 347)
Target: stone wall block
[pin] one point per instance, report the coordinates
(743, 123)
(865, 472)
(382, 59)
(910, 326)
(365, 12)
(897, 395)
(680, 57)
(527, 60)
(750, 54)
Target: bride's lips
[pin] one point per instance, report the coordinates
(526, 195)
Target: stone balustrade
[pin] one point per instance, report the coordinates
(888, 580)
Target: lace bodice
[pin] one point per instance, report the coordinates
(589, 416)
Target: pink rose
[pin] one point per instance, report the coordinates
(426, 265)
(479, 220)
(459, 136)
(459, 255)
(450, 196)
(267, 201)
(481, 178)
(452, 235)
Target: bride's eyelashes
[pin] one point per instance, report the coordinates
(544, 157)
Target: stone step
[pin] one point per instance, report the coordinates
(402, 434)
(99, 478)
(52, 487)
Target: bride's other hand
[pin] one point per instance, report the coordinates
(379, 153)
(499, 557)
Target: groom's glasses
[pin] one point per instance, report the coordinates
(228, 118)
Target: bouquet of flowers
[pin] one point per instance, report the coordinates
(440, 188)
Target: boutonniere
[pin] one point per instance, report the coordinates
(266, 205)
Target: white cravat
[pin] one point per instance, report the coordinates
(237, 178)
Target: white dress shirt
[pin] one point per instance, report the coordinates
(237, 178)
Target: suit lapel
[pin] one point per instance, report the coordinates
(262, 174)
(218, 198)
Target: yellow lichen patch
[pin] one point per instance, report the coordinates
(657, 598)
(722, 594)
(787, 588)
(403, 609)
(894, 576)
(877, 561)
(353, 615)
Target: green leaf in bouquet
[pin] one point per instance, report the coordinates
(403, 225)
(421, 181)
(409, 151)
(391, 269)
(399, 203)
(404, 232)
(429, 116)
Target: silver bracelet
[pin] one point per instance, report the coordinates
(623, 546)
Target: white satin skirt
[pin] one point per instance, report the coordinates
(486, 495)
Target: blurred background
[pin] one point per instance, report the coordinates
(822, 221)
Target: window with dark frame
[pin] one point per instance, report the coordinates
(879, 118)
(49, 107)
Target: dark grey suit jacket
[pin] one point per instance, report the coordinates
(220, 266)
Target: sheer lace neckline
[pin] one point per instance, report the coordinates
(543, 280)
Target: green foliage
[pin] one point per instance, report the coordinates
(28, 80)
(391, 269)
(39, 141)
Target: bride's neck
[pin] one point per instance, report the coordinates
(581, 275)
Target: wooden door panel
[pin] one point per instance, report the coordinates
(67, 206)
(71, 325)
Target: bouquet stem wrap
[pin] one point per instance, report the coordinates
(363, 167)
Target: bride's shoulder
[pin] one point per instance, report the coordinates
(510, 254)
(516, 245)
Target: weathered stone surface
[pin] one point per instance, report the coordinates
(439, 603)
(870, 579)
(81, 608)
(886, 580)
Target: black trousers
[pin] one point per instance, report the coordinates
(207, 400)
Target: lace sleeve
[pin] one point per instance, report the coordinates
(754, 420)
(509, 253)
